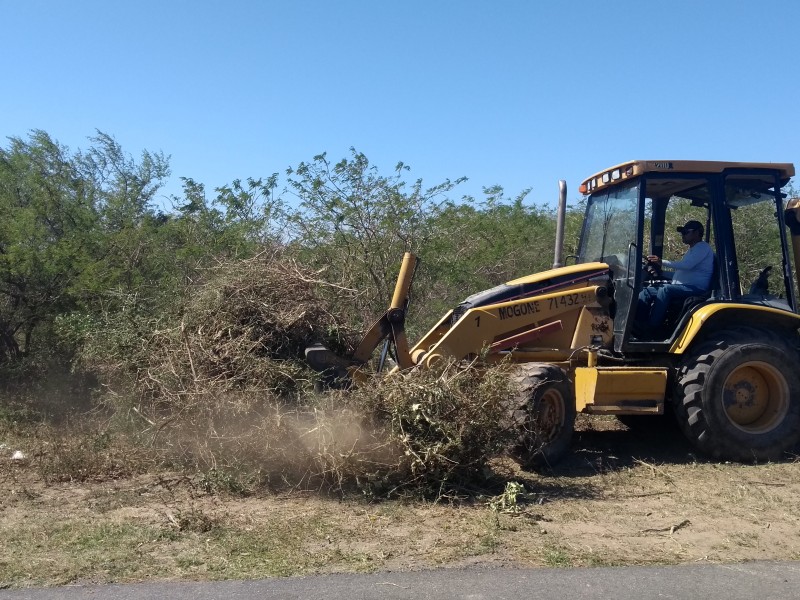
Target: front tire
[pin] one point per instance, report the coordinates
(737, 399)
(544, 411)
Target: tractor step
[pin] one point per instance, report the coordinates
(620, 390)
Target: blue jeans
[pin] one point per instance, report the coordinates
(654, 301)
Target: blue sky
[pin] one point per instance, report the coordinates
(519, 93)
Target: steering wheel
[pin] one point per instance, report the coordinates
(651, 271)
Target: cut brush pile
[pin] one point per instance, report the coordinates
(246, 329)
(226, 390)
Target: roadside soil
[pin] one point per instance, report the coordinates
(622, 497)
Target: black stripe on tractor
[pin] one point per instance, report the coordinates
(507, 293)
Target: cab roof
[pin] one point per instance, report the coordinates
(634, 168)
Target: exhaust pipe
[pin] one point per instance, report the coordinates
(558, 261)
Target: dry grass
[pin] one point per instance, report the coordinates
(618, 500)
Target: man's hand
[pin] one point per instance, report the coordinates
(654, 260)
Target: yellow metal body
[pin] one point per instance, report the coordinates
(744, 313)
(392, 323)
(565, 327)
(620, 390)
(543, 327)
(635, 168)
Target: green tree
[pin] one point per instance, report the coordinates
(353, 224)
(67, 229)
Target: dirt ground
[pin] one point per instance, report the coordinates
(622, 497)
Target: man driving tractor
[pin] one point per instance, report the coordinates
(691, 277)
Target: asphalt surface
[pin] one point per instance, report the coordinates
(745, 581)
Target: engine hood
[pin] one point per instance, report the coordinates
(538, 283)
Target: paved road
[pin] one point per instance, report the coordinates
(748, 581)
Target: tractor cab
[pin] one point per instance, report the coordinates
(634, 211)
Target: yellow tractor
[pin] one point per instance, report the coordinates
(724, 361)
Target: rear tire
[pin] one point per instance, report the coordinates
(544, 411)
(739, 398)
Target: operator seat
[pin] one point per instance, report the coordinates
(679, 308)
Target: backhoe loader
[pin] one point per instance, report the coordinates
(724, 362)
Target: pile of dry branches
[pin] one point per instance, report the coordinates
(429, 433)
(445, 425)
(225, 390)
(244, 330)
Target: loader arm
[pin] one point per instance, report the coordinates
(540, 317)
(391, 324)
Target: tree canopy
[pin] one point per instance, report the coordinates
(89, 261)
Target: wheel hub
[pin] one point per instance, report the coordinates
(755, 397)
(551, 415)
